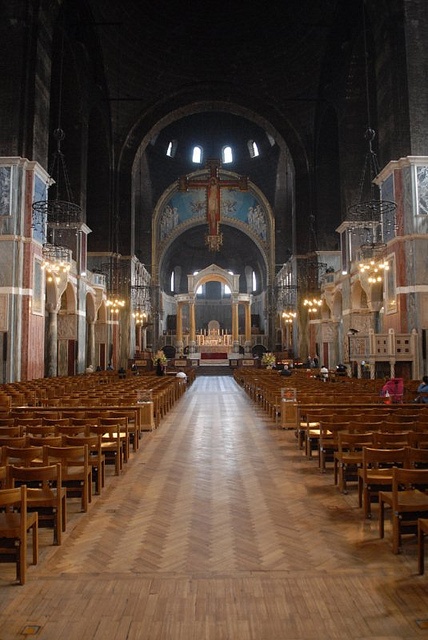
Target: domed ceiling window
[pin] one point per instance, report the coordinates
(197, 155)
(227, 155)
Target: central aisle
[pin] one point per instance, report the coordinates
(219, 528)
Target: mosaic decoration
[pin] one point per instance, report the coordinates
(5, 191)
(422, 181)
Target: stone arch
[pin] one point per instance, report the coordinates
(163, 236)
(67, 332)
(358, 296)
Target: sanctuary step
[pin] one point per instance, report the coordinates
(214, 370)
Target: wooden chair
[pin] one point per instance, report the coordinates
(111, 445)
(25, 421)
(418, 439)
(14, 431)
(349, 457)
(375, 474)
(45, 495)
(3, 476)
(312, 432)
(417, 458)
(41, 430)
(13, 441)
(14, 528)
(387, 440)
(54, 422)
(96, 457)
(121, 425)
(422, 532)
(133, 426)
(22, 456)
(7, 422)
(407, 502)
(70, 430)
(42, 441)
(76, 471)
(328, 441)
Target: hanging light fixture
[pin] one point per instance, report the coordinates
(370, 210)
(59, 209)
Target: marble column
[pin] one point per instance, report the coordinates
(179, 329)
(91, 342)
(52, 343)
(247, 327)
(192, 328)
(235, 327)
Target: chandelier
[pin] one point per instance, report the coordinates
(59, 209)
(370, 207)
(115, 304)
(312, 304)
(289, 316)
(56, 261)
(374, 270)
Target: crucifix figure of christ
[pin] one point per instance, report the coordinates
(213, 185)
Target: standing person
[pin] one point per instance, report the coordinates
(159, 367)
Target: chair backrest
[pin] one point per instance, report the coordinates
(354, 441)
(418, 439)
(404, 479)
(13, 431)
(92, 441)
(70, 429)
(417, 458)
(117, 422)
(67, 456)
(361, 426)
(41, 441)
(16, 496)
(24, 456)
(7, 422)
(83, 422)
(13, 441)
(42, 475)
(40, 430)
(55, 421)
(374, 458)
(385, 440)
(26, 420)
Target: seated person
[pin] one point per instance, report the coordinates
(393, 389)
(423, 389)
(324, 373)
(286, 371)
(182, 375)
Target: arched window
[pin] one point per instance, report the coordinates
(197, 155)
(171, 149)
(227, 155)
(254, 281)
(253, 149)
(172, 282)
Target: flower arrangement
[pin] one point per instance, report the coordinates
(269, 359)
(159, 355)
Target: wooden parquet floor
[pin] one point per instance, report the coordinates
(219, 529)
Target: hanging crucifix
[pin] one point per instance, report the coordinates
(213, 185)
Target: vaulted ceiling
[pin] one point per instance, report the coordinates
(279, 73)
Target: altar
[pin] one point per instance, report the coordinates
(212, 342)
